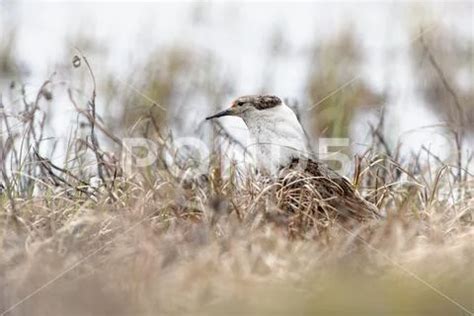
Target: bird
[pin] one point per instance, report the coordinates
(307, 186)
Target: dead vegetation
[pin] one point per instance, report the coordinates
(159, 243)
(81, 237)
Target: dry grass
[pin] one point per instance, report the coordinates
(160, 243)
(219, 248)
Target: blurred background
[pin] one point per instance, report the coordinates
(393, 70)
(394, 78)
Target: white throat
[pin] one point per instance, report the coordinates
(277, 137)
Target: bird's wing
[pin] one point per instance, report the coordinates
(332, 190)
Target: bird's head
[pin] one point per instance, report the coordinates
(249, 104)
(278, 135)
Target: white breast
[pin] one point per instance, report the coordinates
(277, 137)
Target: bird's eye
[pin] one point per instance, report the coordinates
(240, 103)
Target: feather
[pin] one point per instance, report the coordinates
(310, 186)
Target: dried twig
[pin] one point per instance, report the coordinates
(459, 130)
(92, 118)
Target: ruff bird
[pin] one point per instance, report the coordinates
(306, 185)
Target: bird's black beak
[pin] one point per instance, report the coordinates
(222, 113)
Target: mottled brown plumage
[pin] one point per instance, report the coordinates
(309, 192)
(260, 102)
(314, 193)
